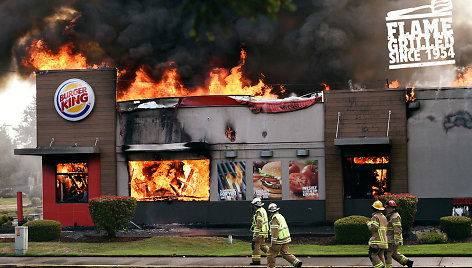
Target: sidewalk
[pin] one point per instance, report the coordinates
(202, 262)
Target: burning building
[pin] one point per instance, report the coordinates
(201, 159)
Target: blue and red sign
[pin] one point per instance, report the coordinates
(74, 99)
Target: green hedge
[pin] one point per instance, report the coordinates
(352, 230)
(112, 213)
(4, 219)
(35, 201)
(406, 207)
(43, 230)
(432, 238)
(456, 227)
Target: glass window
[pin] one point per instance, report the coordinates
(366, 177)
(72, 183)
(185, 180)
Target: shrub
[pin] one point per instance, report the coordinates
(456, 227)
(352, 230)
(112, 213)
(432, 238)
(4, 219)
(35, 201)
(406, 207)
(43, 230)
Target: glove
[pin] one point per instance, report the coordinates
(397, 243)
(253, 244)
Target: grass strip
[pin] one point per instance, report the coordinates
(213, 246)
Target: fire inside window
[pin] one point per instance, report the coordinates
(72, 183)
(185, 180)
(365, 177)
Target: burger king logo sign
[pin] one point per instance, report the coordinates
(74, 99)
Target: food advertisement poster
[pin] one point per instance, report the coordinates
(267, 179)
(303, 176)
(232, 180)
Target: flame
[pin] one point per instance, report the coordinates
(143, 86)
(411, 97)
(380, 187)
(326, 87)
(394, 84)
(40, 57)
(72, 23)
(371, 160)
(381, 177)
(221, 82)
(71, 181)
(233, 83)
(464, 79)
(187, 180)
(230, 133)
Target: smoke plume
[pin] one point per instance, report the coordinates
(330, 41)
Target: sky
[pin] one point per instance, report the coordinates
(18, 93)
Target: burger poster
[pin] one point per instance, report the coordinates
(232, 180)
(303, 178)
(267, 179)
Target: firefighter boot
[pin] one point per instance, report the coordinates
(299, 264)
(255, 263)
(409, 263)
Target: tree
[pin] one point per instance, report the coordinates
(9, 171)
(207, 13)
(15, 170)
(25, 132)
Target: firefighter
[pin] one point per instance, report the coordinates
(378, 241)
(394, 236)
(280, 238)
(260, 231)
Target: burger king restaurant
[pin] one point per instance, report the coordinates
(201, 159)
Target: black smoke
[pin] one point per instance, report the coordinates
(338, 42)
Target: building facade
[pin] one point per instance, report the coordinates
(202, 159)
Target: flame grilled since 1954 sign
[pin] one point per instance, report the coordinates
(421, 36)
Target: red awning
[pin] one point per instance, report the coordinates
(196, 101)
(280, 106)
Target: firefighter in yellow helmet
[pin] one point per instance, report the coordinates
(394, 236)
(260, 231)
(378, 241)
(280, 238)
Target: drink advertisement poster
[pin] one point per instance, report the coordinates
(303, 177)
(232, 180)
(267, 179)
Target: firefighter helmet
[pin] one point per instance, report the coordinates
(378, 205)
(273, 207)
(391, 203)
(257, 202)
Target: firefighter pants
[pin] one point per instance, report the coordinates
(275, 249)
(376, 256)
(259, 245)
(392, 253)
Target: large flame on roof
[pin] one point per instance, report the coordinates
(142, 85)
(40, 57)
(221, 82)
